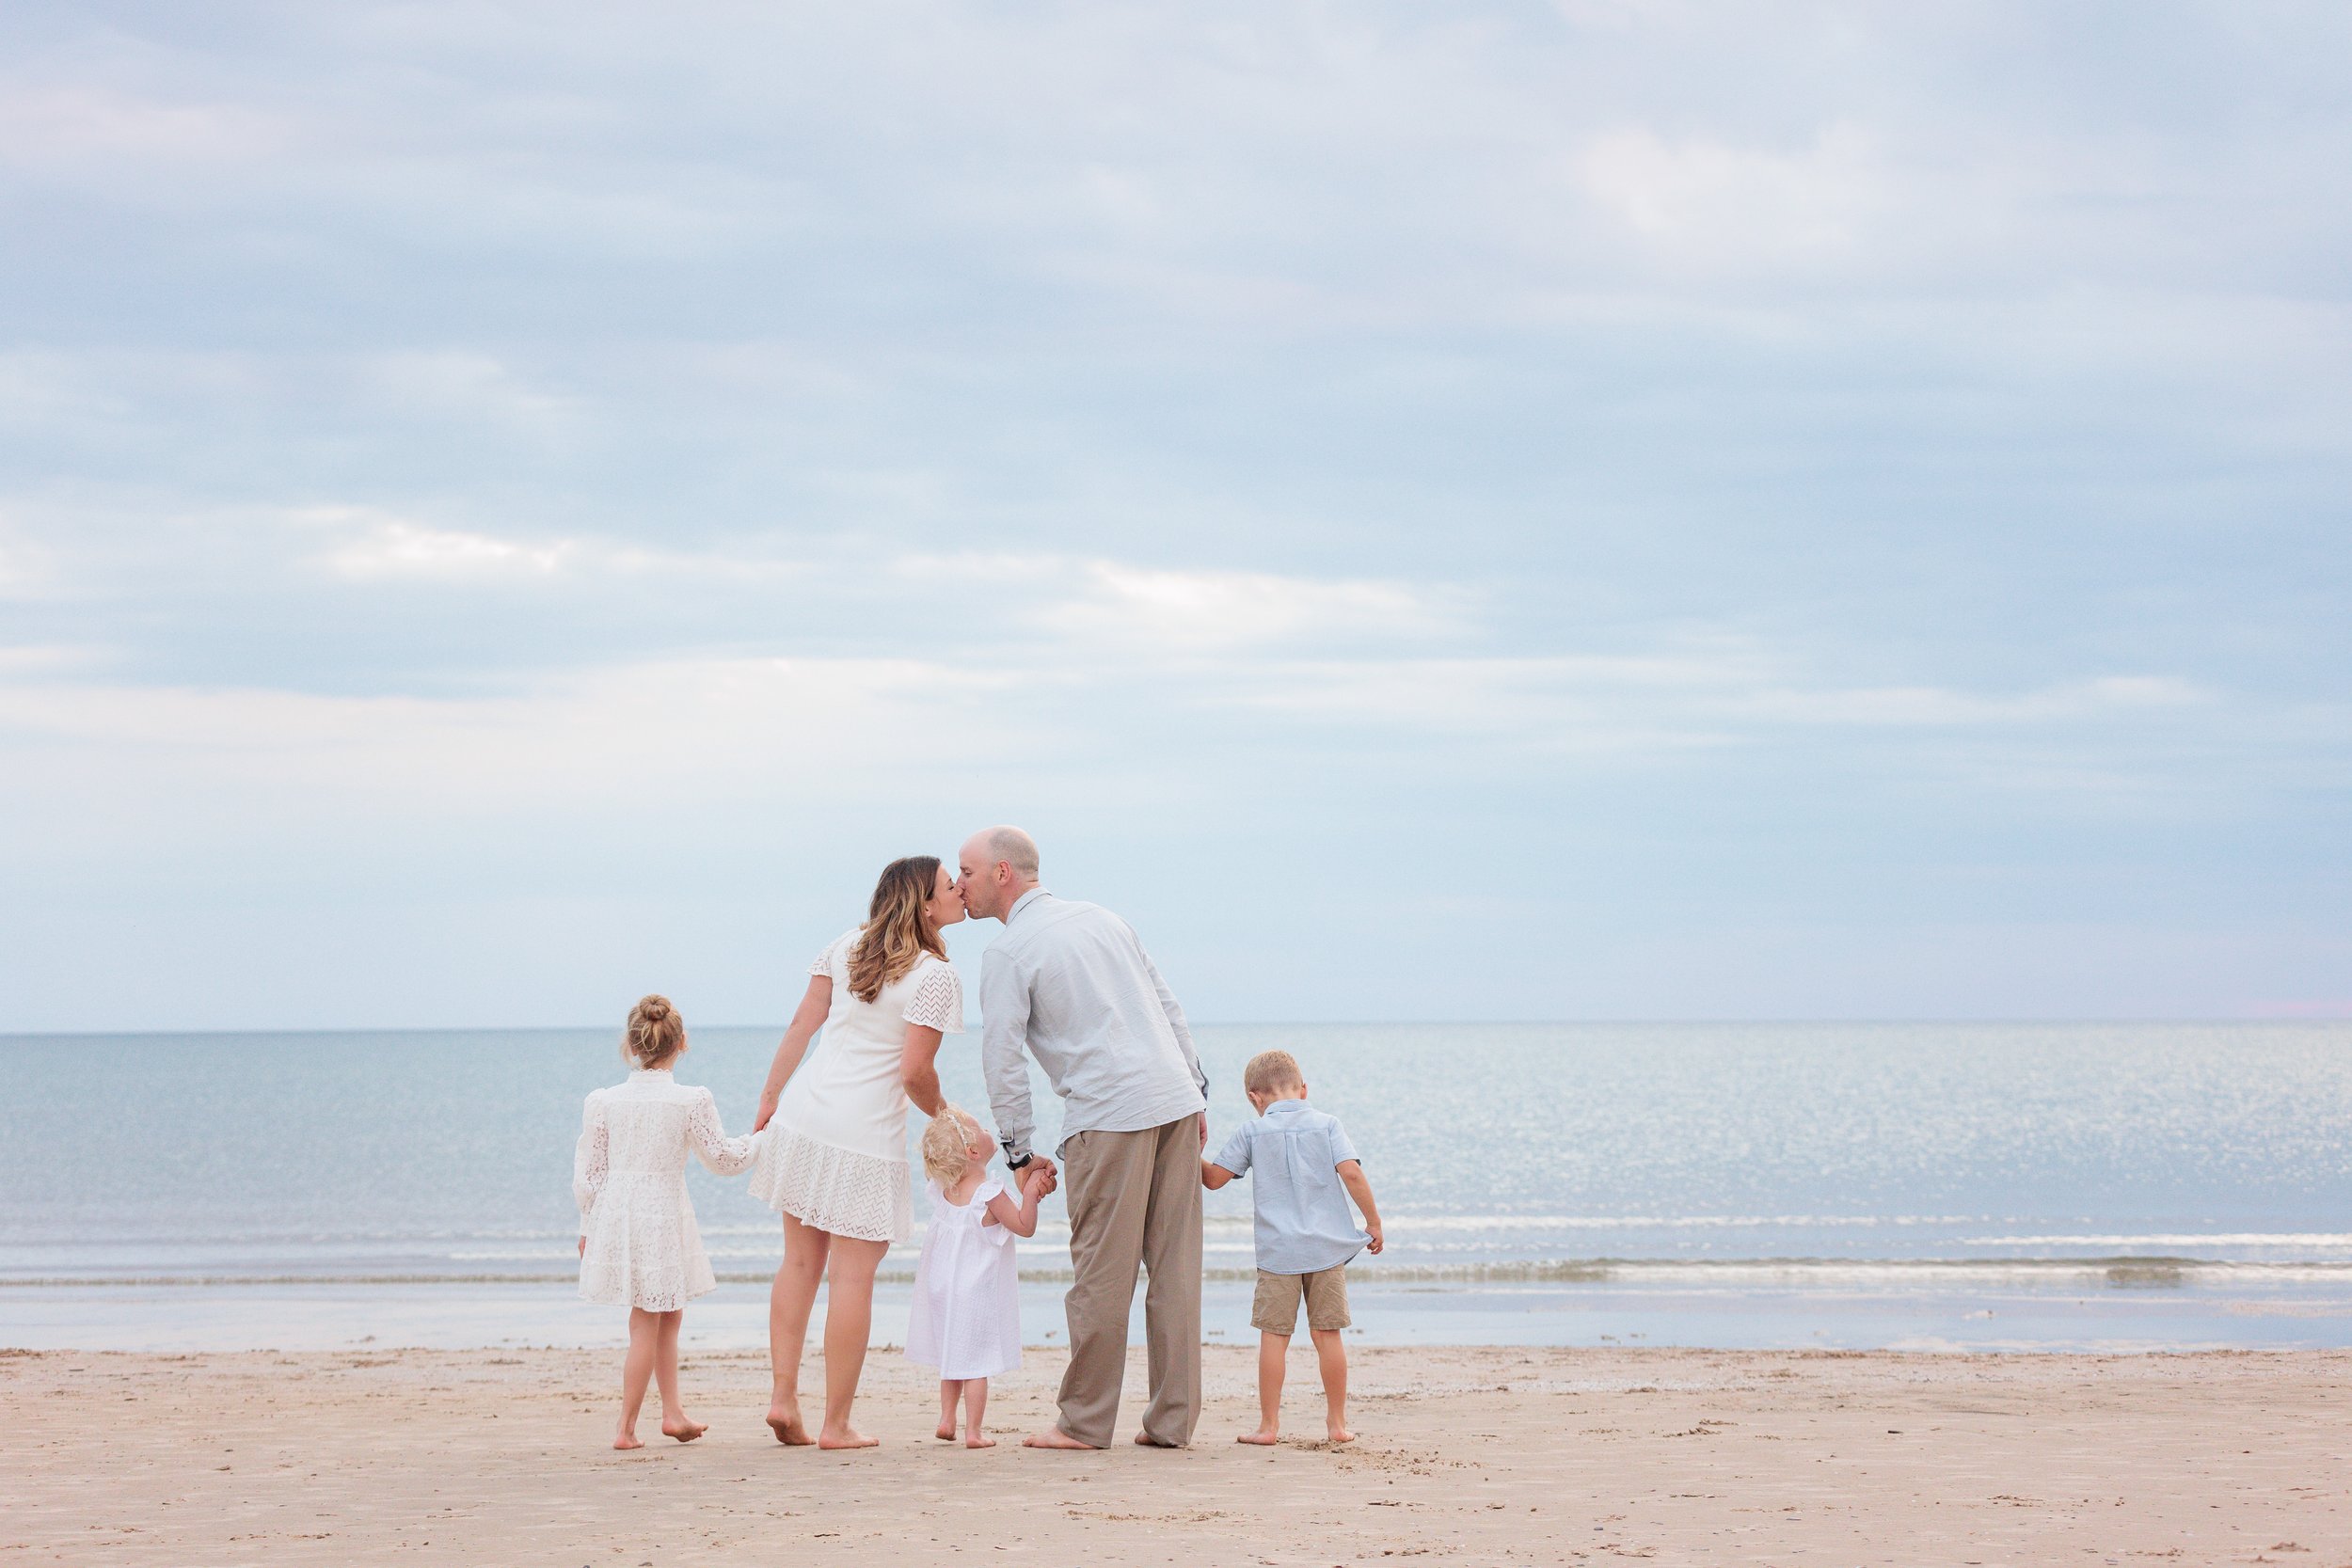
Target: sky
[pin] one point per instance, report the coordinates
(1607, 509)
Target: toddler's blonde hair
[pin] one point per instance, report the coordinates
(655, 1035)
(944, 1140)
(1269, 1070)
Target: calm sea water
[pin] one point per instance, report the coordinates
(1907, 1184)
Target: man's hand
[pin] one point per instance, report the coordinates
(1204, 1131)
(1046, 1163)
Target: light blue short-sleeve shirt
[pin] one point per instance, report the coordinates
(1293, 1154)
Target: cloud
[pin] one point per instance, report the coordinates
(1197, 610)
(1711, 205)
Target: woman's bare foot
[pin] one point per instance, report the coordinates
(1053, 1437)
(1263, 1436)
(682, 1429)
(974, 1440)
(846, 1438)
(786, 1423)
(627, 1441)
(1339, 1435)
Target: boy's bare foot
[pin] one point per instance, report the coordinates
(846, 1438)
(682, 1429)
(1053, 1437)
(785, 1424)
(627, 1441)
(974, 1440)
(947, 1432)
(1264, 1436)
(1339, 1435)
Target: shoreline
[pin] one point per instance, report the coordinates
(1481, 1455)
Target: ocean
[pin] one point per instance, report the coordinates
(2120, 1186)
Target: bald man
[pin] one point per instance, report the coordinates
(1070, 984)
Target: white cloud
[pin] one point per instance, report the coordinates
(1195, 611)
(1713, 205)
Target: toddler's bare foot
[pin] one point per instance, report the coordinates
(1339, 1435)
(682, 1429)
(1263, 1436)
(845, 1438)
(784, 1421)
(1053, 1437)
(627, 1441)
(974, 1440)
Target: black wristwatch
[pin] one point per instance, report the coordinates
(1012, 1163)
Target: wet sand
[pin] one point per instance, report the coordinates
(1467, 1455)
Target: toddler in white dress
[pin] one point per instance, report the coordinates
(966, 1320)
(639, 1246)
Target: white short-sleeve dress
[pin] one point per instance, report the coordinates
(837, 1152)
(966, 1317)
(628, 1176)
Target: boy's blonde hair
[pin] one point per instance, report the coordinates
(1269, 1070)
(655, 1035)
(944, 1140)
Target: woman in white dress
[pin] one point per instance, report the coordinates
(835, 1163)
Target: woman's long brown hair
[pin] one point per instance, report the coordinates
(897, 934)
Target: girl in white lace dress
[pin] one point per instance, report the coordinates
(966, 1320)
(639, 1246)
(835, 1162)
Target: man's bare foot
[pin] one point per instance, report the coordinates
(682, 1429)
(974, 1440)
(1339, 1435)
(1265, 1438)
(787, 1425)
(627, 1441)
(847, 1437)
(1053, 1437)
(1147, 1440)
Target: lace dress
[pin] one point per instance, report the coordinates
(966, 1317)
(628, 1176)
(837, 1152)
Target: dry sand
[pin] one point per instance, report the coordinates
(1465, 1455)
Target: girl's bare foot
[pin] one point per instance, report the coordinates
(784, 1421)
(1339, 1435)
(846, 1438)
(1263, 1436)
(627, 1441)
(682, 1429)
(974, 1440)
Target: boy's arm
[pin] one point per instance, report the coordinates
(1213, 1175)
(1359, 1188)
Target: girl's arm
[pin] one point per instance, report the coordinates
(814, 1004)
(591, 1161)
(1020, 1218)
(724, 1156)
(1359, 1188)
(918, 1068)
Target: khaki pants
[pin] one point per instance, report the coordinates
(1135, 1201)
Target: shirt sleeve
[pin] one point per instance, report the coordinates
(1004, 1036)
(938, 999)
(1234, 1156)
(725, 1156)
(591, 1159)
(824, 960)
(1341, 1151)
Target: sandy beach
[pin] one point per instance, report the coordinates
(1466, 1454)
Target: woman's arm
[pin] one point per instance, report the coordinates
(1020, 1218)
(814, 1004)
(918, 1068)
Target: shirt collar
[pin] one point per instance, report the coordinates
(1023, 902)
(662, 1072)
(1286, 1106)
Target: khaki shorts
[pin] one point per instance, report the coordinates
(1276, 1308)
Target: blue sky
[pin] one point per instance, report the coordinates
(1596, 509)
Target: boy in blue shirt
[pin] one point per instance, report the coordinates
(1307, 1171)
